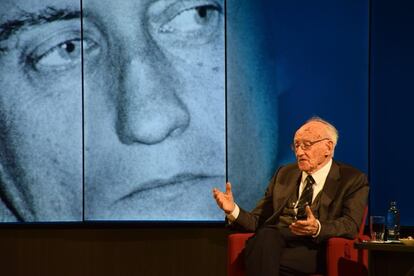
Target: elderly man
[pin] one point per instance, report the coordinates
(305, 204)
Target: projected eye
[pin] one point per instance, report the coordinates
(60, 54)
(191, 23)
(63, 54)
(192, 20)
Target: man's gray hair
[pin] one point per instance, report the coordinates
(332, 131)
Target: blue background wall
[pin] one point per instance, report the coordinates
(293, 60)
(391, 106)
(350, 62)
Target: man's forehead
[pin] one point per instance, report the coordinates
(310, 130)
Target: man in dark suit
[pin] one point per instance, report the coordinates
(305, 204)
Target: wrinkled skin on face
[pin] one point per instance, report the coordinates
(319, 154)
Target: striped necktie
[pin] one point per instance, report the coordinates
(305, 198)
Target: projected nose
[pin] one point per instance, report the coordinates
(149, 109)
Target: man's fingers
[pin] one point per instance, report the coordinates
(309, 213)
(297, 230)
(228, 187)
(300, 229)
(224, 200)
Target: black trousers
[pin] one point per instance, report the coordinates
(274, 251)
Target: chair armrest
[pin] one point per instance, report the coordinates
(343, 259)
(235, 246)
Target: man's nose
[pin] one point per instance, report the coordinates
(299, 151)
(149, 108)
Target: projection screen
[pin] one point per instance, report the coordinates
(135, 110)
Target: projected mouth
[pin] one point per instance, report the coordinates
(179, 179)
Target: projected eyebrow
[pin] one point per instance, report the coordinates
(27, 19)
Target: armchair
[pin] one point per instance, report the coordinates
(341, 257)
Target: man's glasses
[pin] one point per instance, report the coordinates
(305, 145)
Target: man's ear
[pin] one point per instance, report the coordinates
(330, 147)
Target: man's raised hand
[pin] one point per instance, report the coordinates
(225, 200)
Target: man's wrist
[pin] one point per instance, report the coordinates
(232, 216)
(229, 212)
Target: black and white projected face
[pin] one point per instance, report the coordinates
(118, 118)
(154, 108)
(40, 110)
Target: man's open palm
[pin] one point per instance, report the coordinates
(224, 200)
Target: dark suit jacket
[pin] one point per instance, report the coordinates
(341, 207)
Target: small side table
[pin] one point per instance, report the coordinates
(388, 259)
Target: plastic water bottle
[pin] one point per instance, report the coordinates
(393, 222)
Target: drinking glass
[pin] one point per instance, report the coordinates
(377, 228)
